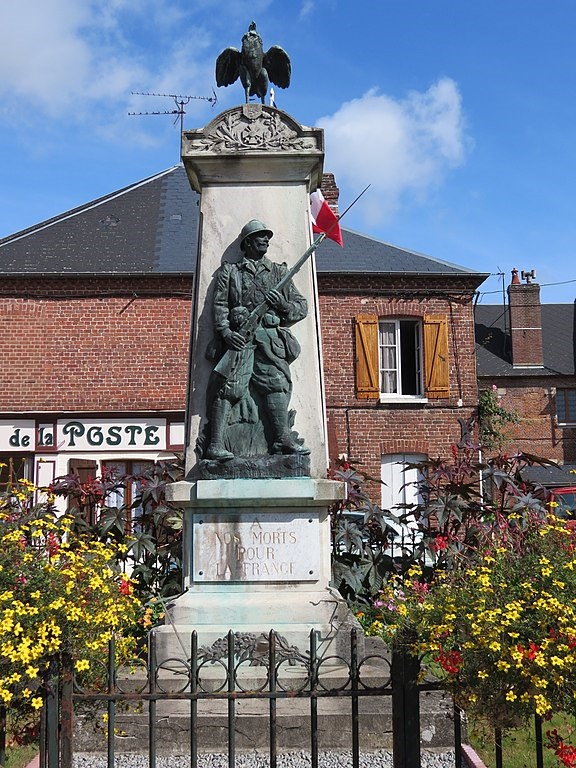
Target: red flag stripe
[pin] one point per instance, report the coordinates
(324, 219)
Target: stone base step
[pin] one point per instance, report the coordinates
(252, 725)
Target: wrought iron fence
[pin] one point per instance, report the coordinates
(259, 673)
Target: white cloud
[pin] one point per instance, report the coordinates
(42, 57)
(403, 148)
(78, 60)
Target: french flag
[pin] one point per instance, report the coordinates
(324, 220)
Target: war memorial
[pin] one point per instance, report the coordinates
(256, 494)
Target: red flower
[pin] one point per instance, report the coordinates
(450, 661)
(52, 544)
(125, 587)
(566, 753)
(439, 543)
(529, 653)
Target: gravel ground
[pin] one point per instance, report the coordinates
(251, 760)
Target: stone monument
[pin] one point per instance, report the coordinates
(256, 494)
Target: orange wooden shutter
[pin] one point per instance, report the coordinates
(367, 362)
(436, 367)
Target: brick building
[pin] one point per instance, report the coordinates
(527, 351)
(95, 309)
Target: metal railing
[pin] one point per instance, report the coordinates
(241, 671)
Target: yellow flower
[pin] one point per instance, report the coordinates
(511, 696)
(542, 704)
(36, 702)
(82, 664)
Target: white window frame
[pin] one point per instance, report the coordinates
(398, 395)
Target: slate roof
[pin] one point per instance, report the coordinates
(362, 254)
(493, 341)
(151, 227)
(554, 476)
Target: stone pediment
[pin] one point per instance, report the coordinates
(252, 128)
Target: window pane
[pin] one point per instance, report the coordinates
(389, 382)
(409, 351)
(566, 406)
(138, 468)
(401, 357)
(560, 406)
(388, 358)
(571, 408)
(12, 469)
(115, 470)
(400, 483)
(388, 333)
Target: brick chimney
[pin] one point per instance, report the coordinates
(330, 191)
(525, 321)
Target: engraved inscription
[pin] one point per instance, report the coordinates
(247, 547)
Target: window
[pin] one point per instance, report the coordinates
(400, 485)
(12, 469)
(399, 490)
(566, 406)
(402, 358)
(128, 492)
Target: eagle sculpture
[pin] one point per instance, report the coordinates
(255, 68)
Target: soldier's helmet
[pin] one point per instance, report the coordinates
(252, 228)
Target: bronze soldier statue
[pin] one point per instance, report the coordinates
(253, 347)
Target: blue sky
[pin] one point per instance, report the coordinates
(459, 113)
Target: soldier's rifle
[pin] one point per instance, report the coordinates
(229, 359)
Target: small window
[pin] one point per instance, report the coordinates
(566, 406)
(128, 493)
(12, 469)
(400, 358)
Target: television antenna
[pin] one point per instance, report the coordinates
(179, 101)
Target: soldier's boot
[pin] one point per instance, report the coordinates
(219, 421)
(284, 441)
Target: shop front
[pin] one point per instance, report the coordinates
(42, 448)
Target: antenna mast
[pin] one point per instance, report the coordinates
(179, 101)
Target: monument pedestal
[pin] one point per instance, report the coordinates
(257, 527)
(257, 558)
